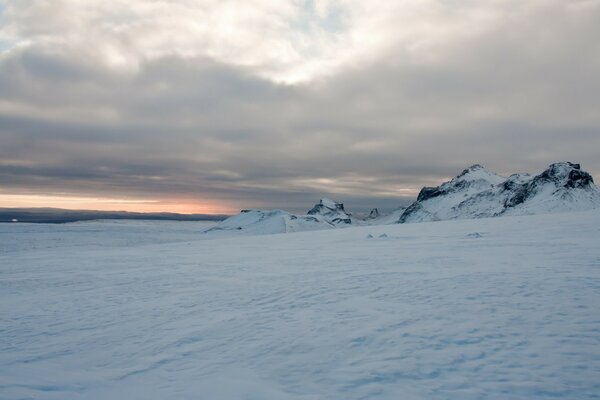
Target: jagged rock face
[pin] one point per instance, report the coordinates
(579, 179)
(560, 176)
(565, 174)
(331, 211)
(429, 193)
(412, 210)
(477, 193)
(460, 182)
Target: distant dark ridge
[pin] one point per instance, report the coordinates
(60, 216)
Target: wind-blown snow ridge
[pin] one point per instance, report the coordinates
(326, 214)
(269, 222)
(479, 193)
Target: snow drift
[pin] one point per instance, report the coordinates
(269, 222)
(326, 214)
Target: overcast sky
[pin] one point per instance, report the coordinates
(216, 105)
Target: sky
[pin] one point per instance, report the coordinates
(211, 106)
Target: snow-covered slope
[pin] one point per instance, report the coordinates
(386, 219)
(331, 211)
(497, 308)
(268, 222)
(477, 193)
(326, 214)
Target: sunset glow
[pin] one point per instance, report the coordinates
(186, 206)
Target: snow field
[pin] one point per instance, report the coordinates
(472, 309)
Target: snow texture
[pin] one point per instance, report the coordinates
(478, 193)
(501, 308)
(261, 222)
(326, 214)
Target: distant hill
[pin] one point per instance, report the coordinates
(59, 216)
(260, 222)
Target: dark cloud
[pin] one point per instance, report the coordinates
(514, 99)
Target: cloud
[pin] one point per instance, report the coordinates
(287, 41)
(384, 100)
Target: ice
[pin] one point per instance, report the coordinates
(100, 310)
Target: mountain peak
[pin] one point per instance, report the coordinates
(566, 174)
(473, 177)
(477, 193)
(472, 168)
(331, 210)
(330, 203)
(477, 172)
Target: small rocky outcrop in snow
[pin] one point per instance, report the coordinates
(270, 221)
(374, 214)
(477, 193)
(331, 211)
(385, 219)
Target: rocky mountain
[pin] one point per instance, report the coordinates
(478, 193)
(268, 222)
(474, 193)
(331, 211)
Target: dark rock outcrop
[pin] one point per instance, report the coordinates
(332, 211)
(374, 214)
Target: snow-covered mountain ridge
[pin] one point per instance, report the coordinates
(474, 193)
(479, 193)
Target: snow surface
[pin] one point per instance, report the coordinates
(262, 222)
(266, 222)
(502, 308)
(103, 234)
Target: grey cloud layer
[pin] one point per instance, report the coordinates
(514, 97)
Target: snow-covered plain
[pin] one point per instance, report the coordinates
(500, 308)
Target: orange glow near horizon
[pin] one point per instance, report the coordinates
(186, 206)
